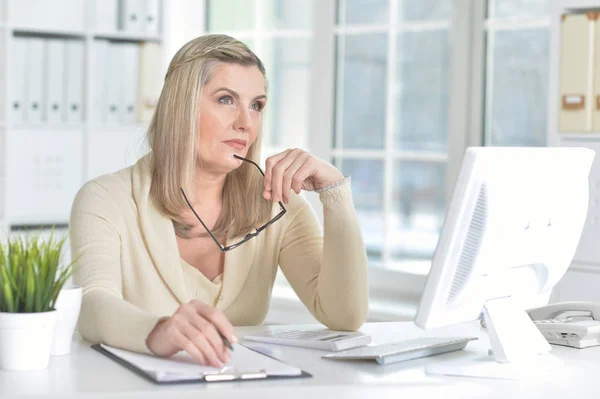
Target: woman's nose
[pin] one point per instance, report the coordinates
(243, 121)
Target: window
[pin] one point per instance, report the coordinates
(517, 33)
(392, 129)
(396, 89)
(391, 123)
(280, 33)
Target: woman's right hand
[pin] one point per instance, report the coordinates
(194, 328)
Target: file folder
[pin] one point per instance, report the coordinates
(107, 15)
(245, 365)
(34, 65)
(596, 94)
(114, 83)
(74, 81)
(18, 80)
(99, 81)
(151, 16)
(130, 15)
(150, 80)
(55, 81)
(130, 78)
(576, 72)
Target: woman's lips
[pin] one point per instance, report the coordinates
(237, 144)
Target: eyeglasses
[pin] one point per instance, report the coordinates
(249, 235)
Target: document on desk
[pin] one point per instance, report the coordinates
(245, 364)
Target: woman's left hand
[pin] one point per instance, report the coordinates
(297, 170)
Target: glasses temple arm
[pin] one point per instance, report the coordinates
(250, 161)
(200, 220)
(259, 169)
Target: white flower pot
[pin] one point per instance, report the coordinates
(25, 340)
(68, 305)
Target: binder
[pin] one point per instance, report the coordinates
(245, 365)
(100, 63)
(150, 16)
(114, 83)
(34, 65)
(54, 81)
(596, 94)
(150, 80)
(130, 82)
(576, 72)
(107, 14)
(74, 81)
(130, 15)
(18, 79)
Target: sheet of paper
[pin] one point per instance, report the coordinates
(182, 366)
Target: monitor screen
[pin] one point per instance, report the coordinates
(511, 231)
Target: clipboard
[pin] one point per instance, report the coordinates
(191, 372)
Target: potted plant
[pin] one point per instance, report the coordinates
(31, 278)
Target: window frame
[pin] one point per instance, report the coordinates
(396, 293)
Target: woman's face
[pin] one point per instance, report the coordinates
(229, 116)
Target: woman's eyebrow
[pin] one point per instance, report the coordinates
(234, 94)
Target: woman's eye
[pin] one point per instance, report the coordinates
(257, 106)
(226, 100)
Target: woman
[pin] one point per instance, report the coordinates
(154, 279)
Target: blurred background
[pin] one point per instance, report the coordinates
(390, 91)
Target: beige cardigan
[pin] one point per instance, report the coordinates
(131, 272)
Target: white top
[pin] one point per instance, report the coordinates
(87, 373)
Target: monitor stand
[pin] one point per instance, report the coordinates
(518, 348)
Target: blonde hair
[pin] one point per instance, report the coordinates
(173, 139)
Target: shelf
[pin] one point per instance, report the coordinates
(120, 127)
(581, 136)
(19, 30)
(34, 226)
(44, 126)
(580, 5)
(128, 36)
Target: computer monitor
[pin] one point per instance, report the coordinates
(510, 233)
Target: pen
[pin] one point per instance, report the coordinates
(226, 342)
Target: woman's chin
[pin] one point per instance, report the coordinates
(236, 163)
(223, 162)
(231, 156)
(227, 163)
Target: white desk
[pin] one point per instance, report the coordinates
(86, 373)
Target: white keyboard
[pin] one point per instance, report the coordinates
(316, 339)
(404, 350)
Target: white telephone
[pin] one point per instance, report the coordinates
(575, 324)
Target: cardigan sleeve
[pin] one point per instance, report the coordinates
(328, 271)
(95, 241)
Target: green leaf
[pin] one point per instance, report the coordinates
(8, 301)
(31, 275)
